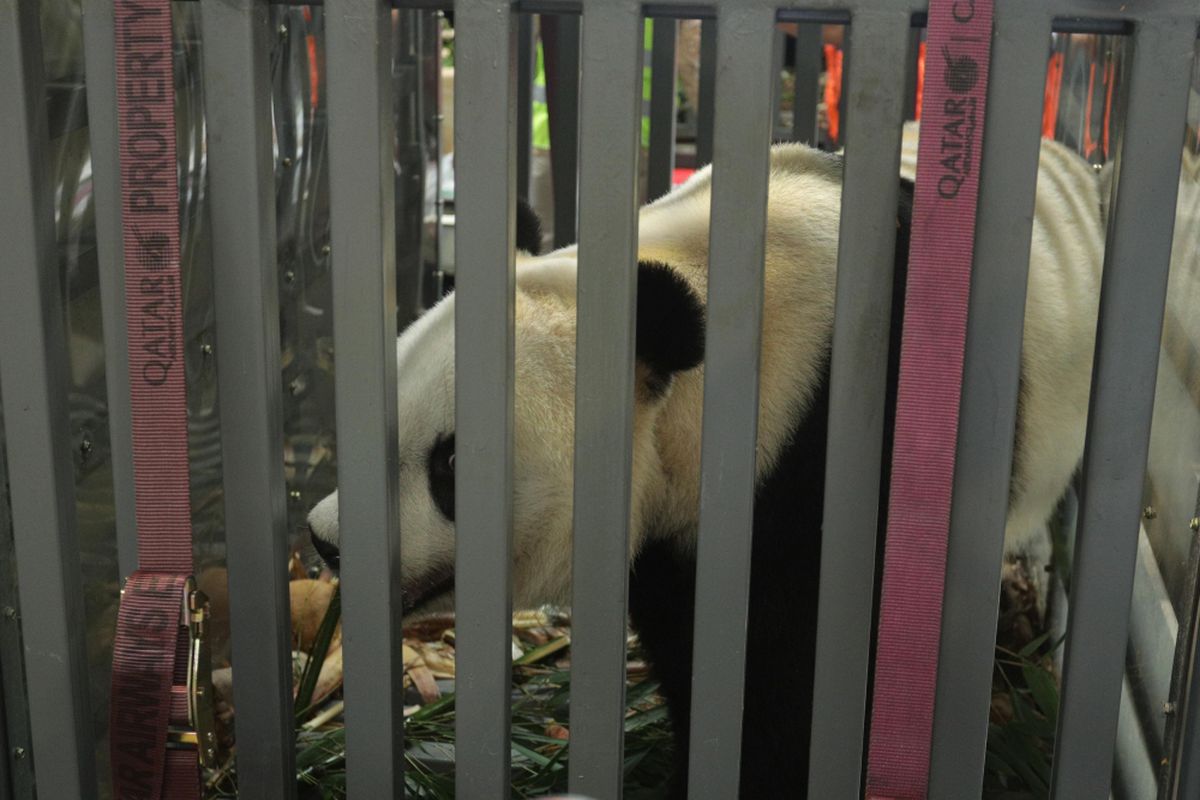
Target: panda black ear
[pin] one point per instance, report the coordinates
(670, 325)
(529, 228)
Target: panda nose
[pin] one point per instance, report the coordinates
(326, 550)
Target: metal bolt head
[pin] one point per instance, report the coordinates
(1195, 524)
(206, 349)
(326, 250)
(289, 276)
(19, 753)
(294, 494)
(10, 612)
(283, 31)
(286, 161)
(1168, 708)
(1149, 512)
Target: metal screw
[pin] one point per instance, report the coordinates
(18, 753)
(1149, 513)
(1168, 708)
(286, 161)
(326, 250)
(1195, 524)
(206, 349)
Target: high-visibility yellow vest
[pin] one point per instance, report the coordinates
(541, 113)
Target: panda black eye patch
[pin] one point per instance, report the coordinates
(441, 475)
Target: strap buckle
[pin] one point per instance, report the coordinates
(201, 730)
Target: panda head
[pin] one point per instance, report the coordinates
(670, 339)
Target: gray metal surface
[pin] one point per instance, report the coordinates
(362, 218)
(1114, 460)
(563, 108)
(731, 358)
(705, 111)
(878, 45)
(661, 154)
(485, 127)
(241, 185)
(807, 83)
(101, 67)
(1011, 143)
(607, 286)
(33, 392)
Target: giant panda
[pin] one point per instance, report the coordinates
(801, 258)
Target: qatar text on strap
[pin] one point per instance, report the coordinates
(161, 715)
(931, 360)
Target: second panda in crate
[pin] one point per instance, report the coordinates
(801, 259)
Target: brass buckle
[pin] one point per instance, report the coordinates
(201, 731)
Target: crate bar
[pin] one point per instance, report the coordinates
(612, 56)
(100, 63)
(362, 218)
(563, 108)
(1114, 461)
(662, 110)
(807, 83)
(879, 48)
(707, 92)
(991, 373)
(33, 382)
(910, 77)
(737, 242)
(525, 67)
(241, 185)
(485, 133)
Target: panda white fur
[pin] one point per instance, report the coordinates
(801, 257)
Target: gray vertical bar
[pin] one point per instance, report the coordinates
(737, 242)
(779, 53)
(607, 289)
(33, 383)
(525, 66)
(15, 716)
(1008, 177)
(808, 74)
(564, 125)
(1118, 431)
(362, 218)
(708, 82)
(858, 370)
(241, 185)
(485, 127)
(100, 60)
(662, 110)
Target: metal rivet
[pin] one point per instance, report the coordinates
(283, 31)
(289, 276)
(10, 612)
(326, 250)
(286, 161)
(294, 494)
(18, 753)
(1149, 513)
(206, 349)
(1168, 708)
(1195, 524)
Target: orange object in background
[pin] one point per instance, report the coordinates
(833, 89)
(1054, 73)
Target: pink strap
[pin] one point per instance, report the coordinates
(151, 646)
(931, 358)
